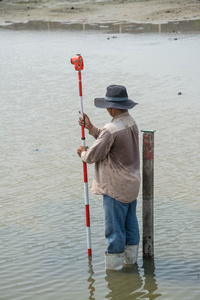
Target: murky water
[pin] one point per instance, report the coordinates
(43, 252)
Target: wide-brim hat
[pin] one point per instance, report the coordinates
(116, 97)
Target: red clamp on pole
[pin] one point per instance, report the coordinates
(77, 61)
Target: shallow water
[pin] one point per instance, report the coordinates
(43, 252)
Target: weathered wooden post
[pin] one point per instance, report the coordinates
(148, 193)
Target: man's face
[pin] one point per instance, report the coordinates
(109, 110)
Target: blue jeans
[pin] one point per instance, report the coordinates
(121, 224)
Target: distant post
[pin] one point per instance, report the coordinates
(148, 193)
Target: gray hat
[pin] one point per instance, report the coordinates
(116, 97)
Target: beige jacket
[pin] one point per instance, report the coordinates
(116, 156)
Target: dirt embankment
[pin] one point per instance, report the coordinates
(153, 11)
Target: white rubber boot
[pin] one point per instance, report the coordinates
(114, 261)
(131, 254)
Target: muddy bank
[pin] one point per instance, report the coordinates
(155, 12)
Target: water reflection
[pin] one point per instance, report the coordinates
(90, 279)
(130, 284)
(117, 27)
(137, 282)
(150, 285)
(124, 283)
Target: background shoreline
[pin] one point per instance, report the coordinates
(153, 11)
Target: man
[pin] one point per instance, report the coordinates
(117, 175)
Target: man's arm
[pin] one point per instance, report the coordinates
(99, 149)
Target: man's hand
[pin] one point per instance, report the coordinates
(80, 150)
(86, 122)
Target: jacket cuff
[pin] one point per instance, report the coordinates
(93, 131)
(83, 156)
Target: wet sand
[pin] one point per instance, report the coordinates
(152, 11)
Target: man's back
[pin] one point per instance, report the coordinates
(116, 157)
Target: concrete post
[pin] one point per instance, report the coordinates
(147, 191)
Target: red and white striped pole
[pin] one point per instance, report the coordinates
(77, 61)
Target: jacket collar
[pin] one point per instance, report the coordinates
(119, 116)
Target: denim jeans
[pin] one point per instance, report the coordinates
(121, 224)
